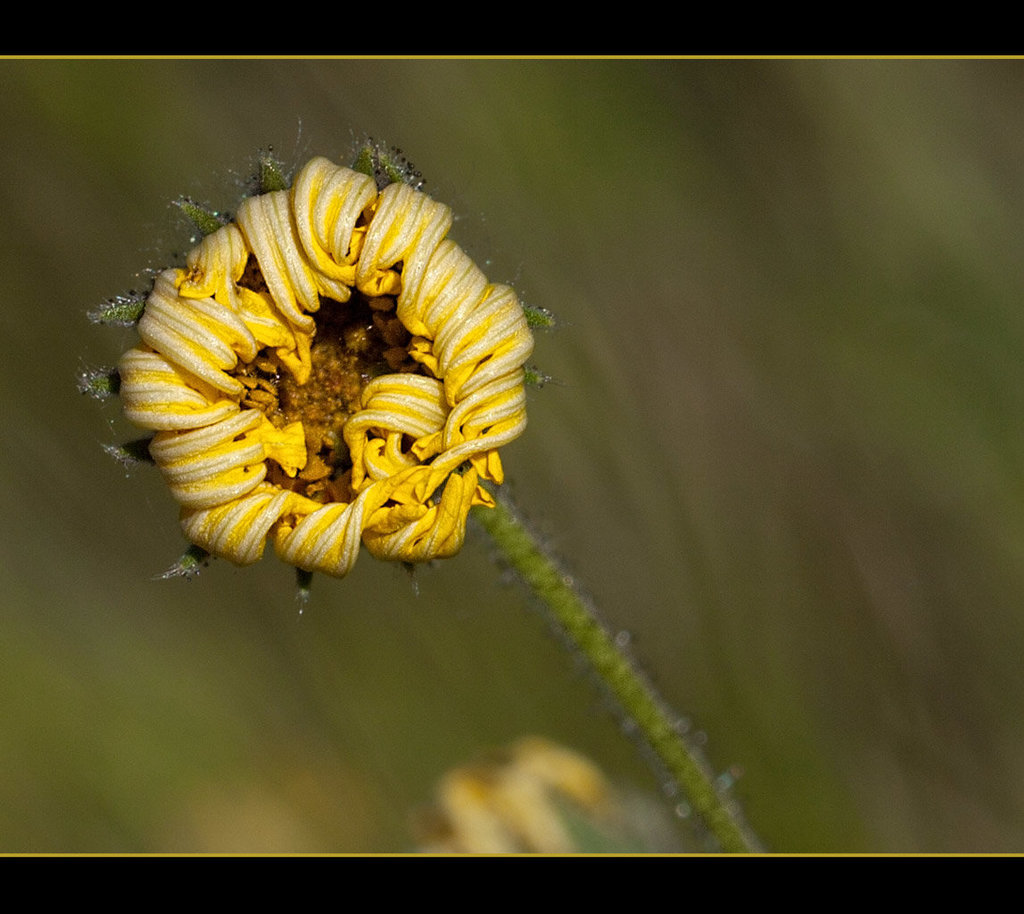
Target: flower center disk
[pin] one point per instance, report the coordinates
(355, 341)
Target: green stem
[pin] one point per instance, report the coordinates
(622, 678)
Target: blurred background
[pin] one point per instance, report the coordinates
(783, 452)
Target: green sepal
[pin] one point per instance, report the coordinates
(539, 318)
(364, 162)
(130, 453)
(99, 383)
(386, 165)
(120, 311)
(188, 566)
(534, 377)
(271, 175)
(303, 587)
(206, 220)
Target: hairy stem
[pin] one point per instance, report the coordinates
(623, 679)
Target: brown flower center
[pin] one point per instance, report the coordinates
(355, 341)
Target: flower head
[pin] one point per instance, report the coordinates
(536, 796)
(329, 370)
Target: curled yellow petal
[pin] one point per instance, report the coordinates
(285, 446)
(157, 394)
(273, 238)
(237, 530)
(438, 531)
(328, 202)
(215, 265)
(214, 464)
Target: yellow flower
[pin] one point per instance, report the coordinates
(329, 370)
(534, 796)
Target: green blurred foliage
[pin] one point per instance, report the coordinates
(783, 451)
